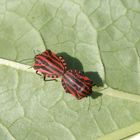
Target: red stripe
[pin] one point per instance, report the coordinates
(74, 94)
(85, 78)
(55, 70)
(78, 92)
(50, 63)
(81, 80)
(55, 58)
(55, 61)
(71, 91)
(42, 64)
(69, 77)
(47, 67)
(42, 70)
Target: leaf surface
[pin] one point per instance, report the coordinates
(95, 36)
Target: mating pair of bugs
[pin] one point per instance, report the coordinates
(74, 81)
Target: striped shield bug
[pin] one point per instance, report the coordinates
(77, 84)
(50, 65)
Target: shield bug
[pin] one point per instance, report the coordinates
(77, 84)
(50, 65)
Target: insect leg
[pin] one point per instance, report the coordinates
(49, 79)
(51, 76)
(30, 67)
(89, 102)
(38, 73)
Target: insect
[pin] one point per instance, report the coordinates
(50, 65)
(77, 84)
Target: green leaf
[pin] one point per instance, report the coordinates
(101, 37)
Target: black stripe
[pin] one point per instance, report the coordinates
(51, 55)
(68, 80)
(75, 79)
(63, 63)
(79, 94)
(48, 52)
(42, 67)
(51, 67)
(71, 83)
(53, 62)
(42, 61)
(71, 89)
(79, 83)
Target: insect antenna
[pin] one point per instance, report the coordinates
(101, 98)
(30, 67)
(100, 104)
(36, 52)
(30, 59)
(89, 103)
(26, 60)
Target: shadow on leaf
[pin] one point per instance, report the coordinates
(95, 94)
(73, 63)
(95, 77)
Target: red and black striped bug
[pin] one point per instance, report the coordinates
(77, 84)
(50, 65)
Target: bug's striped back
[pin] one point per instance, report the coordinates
(77, 84)
(49, 64)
